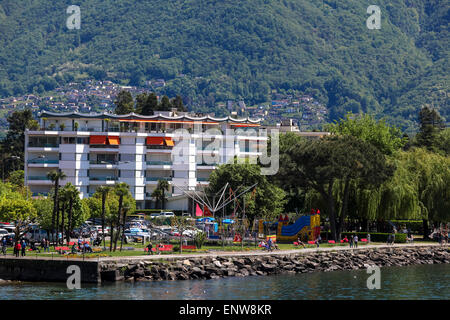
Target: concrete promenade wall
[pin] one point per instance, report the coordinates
(223, 264)
(46, 270)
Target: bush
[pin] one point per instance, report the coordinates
(176, 248)
(199, 239)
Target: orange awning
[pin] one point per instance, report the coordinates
(169, 142)
(155, 141)
(114, 140)
(97, 140)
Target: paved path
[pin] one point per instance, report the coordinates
(222, 253)
(263, 253)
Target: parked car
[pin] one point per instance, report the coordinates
(167, 214)
(3, 233)
(136, 235)
(36, 234)
(191, 232)
(154, 215)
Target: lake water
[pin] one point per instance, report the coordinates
(410, 282)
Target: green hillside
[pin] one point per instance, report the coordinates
(233, 49)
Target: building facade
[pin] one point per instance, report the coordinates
(104, 149)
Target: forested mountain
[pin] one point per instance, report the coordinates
(215, 50)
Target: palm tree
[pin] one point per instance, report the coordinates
(159, 192)
(103, 191)
(71, 194)
(63, 202)
(55, 176)
(121, 189)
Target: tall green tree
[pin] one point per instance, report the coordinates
(150, 105)
(124, 103)
(177, 103)
(121, 190)
(13, 146)
(388, 139)
(103, 191)
(55, 176)
(165, 104)
(263, 201)
(160, 192)
(19, 210)
(322, 164)
(430, 125)
(71, 197)
(141, 99)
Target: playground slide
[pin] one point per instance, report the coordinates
(294, 229)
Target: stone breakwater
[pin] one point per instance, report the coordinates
(219, 266)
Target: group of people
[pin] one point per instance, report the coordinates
(150, 248)
(353, 241)
(269, 245)
(81, 246)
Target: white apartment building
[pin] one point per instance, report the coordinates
(95, 149)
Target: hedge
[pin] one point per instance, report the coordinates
(147, 212)
(374, 236)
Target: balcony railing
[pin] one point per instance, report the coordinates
(36, 194)
(104, 146)
(103, 178)
(158, 178)
(206, 164)
(44, 161)
(43, 145)
(38, 178)
(159, 147)
(202, 179)
(157, 163)
(149, 194)
(103, 162)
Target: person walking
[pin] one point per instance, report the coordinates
(23, 248)
(149, 248)
(318, 239)
(47, 245)
(17, 248)
(368, 238)
(355, 240)
(4, 246)
(351, 241)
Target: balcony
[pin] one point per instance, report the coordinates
(159, 163)
(43, 161)
(207, 166)
(158, 178)
(103, 178)
(104, 146)
(43, 145)
(39, 194)
(149, 194)
(103, 162)
(38, 178)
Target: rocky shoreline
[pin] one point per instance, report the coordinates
(219, 266)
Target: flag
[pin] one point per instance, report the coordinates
(206, 212)
(198, 210)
